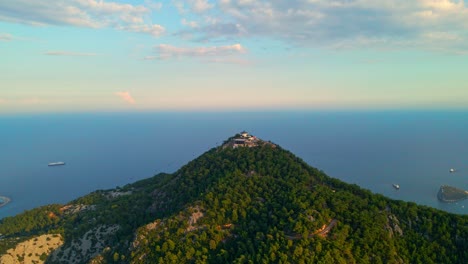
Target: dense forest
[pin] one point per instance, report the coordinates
(244, 205)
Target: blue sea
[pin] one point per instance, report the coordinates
(414, 149)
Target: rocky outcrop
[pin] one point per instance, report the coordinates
(90, 245)
(393, 226)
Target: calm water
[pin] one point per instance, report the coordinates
(373, 150)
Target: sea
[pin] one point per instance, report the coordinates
(414, 149)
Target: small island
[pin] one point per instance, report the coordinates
(451, 194)
(4, 200)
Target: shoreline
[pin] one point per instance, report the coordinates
(5, 199)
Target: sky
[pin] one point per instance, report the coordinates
(232, 55)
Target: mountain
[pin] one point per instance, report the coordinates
(247, 201)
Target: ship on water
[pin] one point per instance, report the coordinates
(396, 186)
(58, 163)
(4, 200)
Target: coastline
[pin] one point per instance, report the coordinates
(5, 199)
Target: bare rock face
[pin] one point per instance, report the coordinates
(393, 226)
(196, 214)
(90, 245)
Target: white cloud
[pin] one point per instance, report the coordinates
(70, 53)
(212, 29)
(126, 96)
(195, 6)
(446, 5)
(200, 5)
(154, 30)
(180, 6)
(192, 24)
(166, 51)
(5, 37)
(441, 36)
(154, 5)
(79, 13)
(336, 23)
(102, 7)
(324, 23)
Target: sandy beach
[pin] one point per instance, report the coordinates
(4, 200)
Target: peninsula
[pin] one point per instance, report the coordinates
(4, 200)
(451, 194)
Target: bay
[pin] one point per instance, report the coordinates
(414, 149)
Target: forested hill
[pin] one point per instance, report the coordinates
(243, 202)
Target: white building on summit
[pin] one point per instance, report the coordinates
(244, 139)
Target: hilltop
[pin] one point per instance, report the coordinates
(248, 200)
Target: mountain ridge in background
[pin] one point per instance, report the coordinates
(247, 201)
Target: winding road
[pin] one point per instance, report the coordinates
(327, 229)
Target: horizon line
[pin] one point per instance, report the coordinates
(234, 111)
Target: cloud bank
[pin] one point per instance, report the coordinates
(168, 51)
(438, 25)
(340, 24)
(80, 13)
(214, 54)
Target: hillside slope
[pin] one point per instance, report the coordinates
(243, 202)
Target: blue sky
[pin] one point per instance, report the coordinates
(229, 55)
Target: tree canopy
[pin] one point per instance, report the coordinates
(249, 205)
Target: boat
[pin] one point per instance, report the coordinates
(396, 186)
(3, 201)
(452, 170)
(58, 163)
